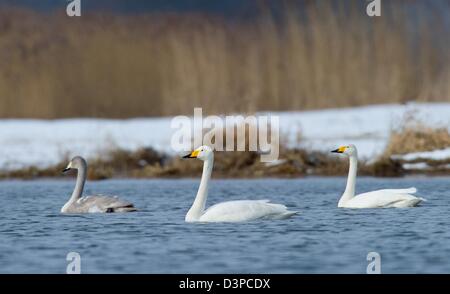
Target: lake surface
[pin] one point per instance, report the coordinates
(36, 238)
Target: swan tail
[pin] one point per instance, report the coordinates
(412, 202)
(128, 208)
(281, 208)
(276, 206)
(288, 214)
(416, 201)
(282, 211)
(279, 216)
(279, 211)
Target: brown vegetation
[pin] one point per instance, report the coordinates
(323, 55)
(411, 137)
(415, 136)
(146, 163)
(293, 162)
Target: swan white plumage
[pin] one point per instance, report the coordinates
(376, 199)
(230, 211)
(91, 204)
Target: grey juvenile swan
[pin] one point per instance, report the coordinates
(91, 204)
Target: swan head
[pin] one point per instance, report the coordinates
(76, 163)
(202, 153)
(349, 150)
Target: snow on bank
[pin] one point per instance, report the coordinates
(423, 166)
(437, 155)
(367, 127)
(45, 142)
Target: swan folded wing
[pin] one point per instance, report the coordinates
(100, 203)
(411, 190)
(386, 198)
(245, 210)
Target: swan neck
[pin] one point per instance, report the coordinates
(199, 204)
(79, 186)
(351, 180)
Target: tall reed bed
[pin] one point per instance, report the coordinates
(319, 54)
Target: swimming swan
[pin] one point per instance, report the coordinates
(89, 204)
(376, 199)
(230, 211)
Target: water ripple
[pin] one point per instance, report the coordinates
(321, 239)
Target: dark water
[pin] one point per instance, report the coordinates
(35, 237)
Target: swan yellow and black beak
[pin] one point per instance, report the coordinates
(340, 149)
(69, 167)
(193, 154)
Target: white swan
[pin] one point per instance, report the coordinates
(230, 211)
(89, 204)
(376, 199)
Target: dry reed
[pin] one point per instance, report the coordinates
(323, 54)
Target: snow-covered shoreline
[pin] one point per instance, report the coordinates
(42, 143)
(437, 155)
